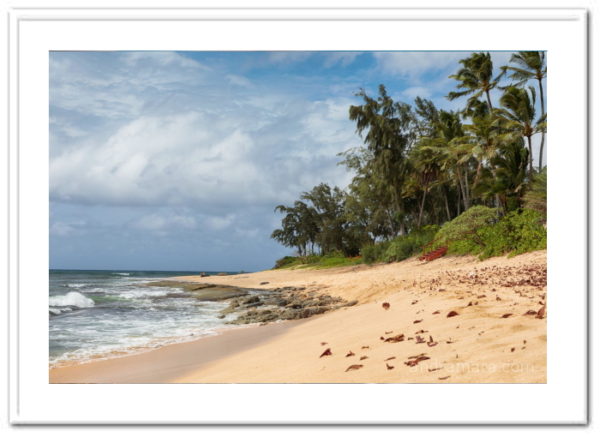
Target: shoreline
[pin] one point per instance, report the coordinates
(490, 340)
(165, 363)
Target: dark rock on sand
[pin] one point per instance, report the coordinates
(286, 303)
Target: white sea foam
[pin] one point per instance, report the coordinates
(141, 293)
(121, 274)
(75, 285)
(72, 298)
(60, 310)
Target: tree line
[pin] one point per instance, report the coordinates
(421, 165)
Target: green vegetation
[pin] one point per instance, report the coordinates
(515, 233)
(536, 198)
(426, 177)
(316, 261)
(479, 231)
(461, 234)
(400, 248)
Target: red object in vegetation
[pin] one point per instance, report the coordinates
(435, 254)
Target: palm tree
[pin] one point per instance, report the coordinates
(452, 156)
(425, 165)
(511, 171)
(518, 113)
(530, 66)
(475, 78)
(484, 141)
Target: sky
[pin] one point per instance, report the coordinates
(176, 160)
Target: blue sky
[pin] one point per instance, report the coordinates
(176, 160)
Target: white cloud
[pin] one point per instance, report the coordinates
(238, 80)
(411, 64)
(191, 141)
(164, 223)
(162, 59)
(63, 229)
(205, 159)
(340, 58)
(217, 223)
(288, 57)
(416, 91)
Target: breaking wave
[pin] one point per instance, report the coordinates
(71, 299)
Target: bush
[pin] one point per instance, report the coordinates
(516, 233)
(399, 248)
(285, 262)
(406, 246)
(460, 235)
(374, 252)
(337, 260)
(536, 197)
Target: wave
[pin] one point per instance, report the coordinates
(75, 285)
(121, 274)
(71, 299)
(58, 311)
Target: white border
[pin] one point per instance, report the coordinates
(34, 32)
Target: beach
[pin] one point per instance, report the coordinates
(451, 320)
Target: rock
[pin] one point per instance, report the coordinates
(250, 300)
(218, 293)
(263, 283)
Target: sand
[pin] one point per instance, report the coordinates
(490, 340)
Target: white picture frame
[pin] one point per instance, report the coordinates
(35, 30)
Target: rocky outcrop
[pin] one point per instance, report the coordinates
(259, 306)
(288, 303)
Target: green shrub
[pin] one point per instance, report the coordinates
(374, 252)
(460, 234)
(399, 248)
(536, 197)
(310, 259)
(336, 260)
(516, 233)
(405, 246)
(285, 262)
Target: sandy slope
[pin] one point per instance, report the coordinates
(477, 345)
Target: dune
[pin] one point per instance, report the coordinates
(451, 320)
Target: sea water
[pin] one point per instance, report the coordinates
(97, 314)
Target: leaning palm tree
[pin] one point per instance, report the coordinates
(517, 115)
(475, 78)
(530, 66)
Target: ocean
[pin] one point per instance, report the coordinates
(95, 314)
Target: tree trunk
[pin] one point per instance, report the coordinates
(497, 201)
(489, 101)
(446, 203)
(463, 189)
(477, 173)
(421, 207)
(530, 156)
(468, 196)
(543, 112)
